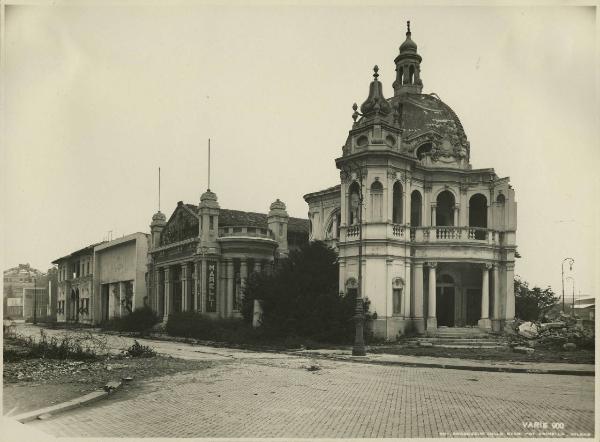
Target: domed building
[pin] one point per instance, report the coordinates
(437, 237)
(200, 258)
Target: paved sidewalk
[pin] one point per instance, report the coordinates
(456, 363)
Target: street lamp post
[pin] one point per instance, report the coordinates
(573, 286)
(571, 261)
(358, 348)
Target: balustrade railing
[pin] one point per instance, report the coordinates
(398, 230)
(245, 231)
(353, 231)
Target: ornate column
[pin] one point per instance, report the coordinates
(203, 285)
(431, 313)
(243, 277)
(418, 291)
(407, 290)
(433, 215)
(196, 282)
(510, 292)
(167, 297)
(496, 320)
(456, 215)
(407, 188)
(229, 285)
(184, 287)
(391, 179)
(156, 304)
(485, 322)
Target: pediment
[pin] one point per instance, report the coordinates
(182, 224)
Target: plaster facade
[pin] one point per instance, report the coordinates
(438, 237)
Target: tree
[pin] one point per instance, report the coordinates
(532, 303)
(302, 297)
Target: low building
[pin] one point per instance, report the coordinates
(120, 276)
(585, 309)
(102, 281)
(75, 285)
(40, 304)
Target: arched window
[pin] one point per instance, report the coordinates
(445, 209)
(397, 203)
(478, 214)
(423, 149)
(500, 213)
(415, 208)
(338, 219)
(353, 203)
(411, 74)
(376, 201)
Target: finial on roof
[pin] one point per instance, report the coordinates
(408, 27)
(376, 70)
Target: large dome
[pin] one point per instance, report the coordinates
(421, 113)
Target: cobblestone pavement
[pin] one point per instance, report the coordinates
(281, 398)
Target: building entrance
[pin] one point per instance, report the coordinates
(473, 306)
(445, 294)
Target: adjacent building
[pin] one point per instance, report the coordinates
(201, 257)
(437, 236)
(102, 281)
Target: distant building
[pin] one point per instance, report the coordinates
(15, 280)
(585, 308)
(40, 303)
(103, 280)
(200, 258)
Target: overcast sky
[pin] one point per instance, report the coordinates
(97, 98)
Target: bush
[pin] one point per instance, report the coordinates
(302, 298)
(78, 347)
(195, 325)
(532, 303)
(138, 321)
(138, 350)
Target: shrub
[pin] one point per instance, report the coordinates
(302, 298)
(138, 350)
(196, 325)
(78, 347)
(138, 321)
(532, 303)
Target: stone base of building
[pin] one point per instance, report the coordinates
(392, 327)
(508, 326)
(485, 324)
(431, 323)
(497, 325)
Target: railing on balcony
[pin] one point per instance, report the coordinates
(353, 231)
(398, 230)
(246, 231)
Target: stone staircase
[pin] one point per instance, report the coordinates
(456, 337)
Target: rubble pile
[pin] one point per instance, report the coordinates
(562, 333)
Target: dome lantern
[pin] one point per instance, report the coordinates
(408, 67)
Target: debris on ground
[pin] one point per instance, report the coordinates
(528, 330)
(526, 350)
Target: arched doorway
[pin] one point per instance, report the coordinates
(478, 214)
(353, 203)
(397, 203)
(74, 305)
(445, 209)
(415, 208)
(444, 305)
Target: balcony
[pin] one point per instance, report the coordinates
(433, 234)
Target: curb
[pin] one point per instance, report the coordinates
(357, 359)
(65, 406)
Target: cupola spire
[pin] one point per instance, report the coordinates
(375, 102)
(408, 67)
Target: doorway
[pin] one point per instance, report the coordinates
(105, 301)
(445, 301)
(473, 306)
